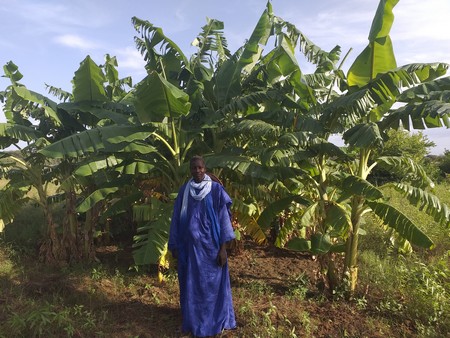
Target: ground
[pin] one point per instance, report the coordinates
(275, 294)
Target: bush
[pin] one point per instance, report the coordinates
(414, 286)
(27, 228)
(406, 287)
(444, 162)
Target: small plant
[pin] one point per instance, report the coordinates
(246, 311)
(267, 324)
(119, 278)
(299, 287)
(49, 320)
(97, 273)
(305, 319)
(361, 303)
(259, 288)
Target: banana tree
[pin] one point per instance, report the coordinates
(363, 114)
(64, 134)
(211, 81)
(110, 156)
(374, 79)
(336, 194)
(26, 169)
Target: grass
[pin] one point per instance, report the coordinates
(398, 295)
(415, 285)
(104, 301)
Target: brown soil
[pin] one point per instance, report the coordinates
(275, 294)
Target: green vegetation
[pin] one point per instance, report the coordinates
(102, 165)
(398, 294)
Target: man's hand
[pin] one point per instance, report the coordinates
(222, 255)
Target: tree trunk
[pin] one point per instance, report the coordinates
(71, 229)
(50, 250)
(88, 235)
(351, 254)
(329, 273)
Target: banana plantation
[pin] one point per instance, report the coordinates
(118, 151)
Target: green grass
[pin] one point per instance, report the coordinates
(397, 295)
(415, 285)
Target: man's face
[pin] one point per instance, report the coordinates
(198, 170)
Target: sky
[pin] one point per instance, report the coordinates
(48, 39)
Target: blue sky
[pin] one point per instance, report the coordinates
(48, 39)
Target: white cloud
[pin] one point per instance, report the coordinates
(131, 63)
(130, 58)
(75, 41)
(417, 19)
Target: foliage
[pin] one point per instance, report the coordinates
(415, 280)
(261, 123)
(47, 160)
(401, 143)
(50, 320)
(444, 162)
(416, 290)
(109, 299)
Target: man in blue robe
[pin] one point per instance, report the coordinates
(199, 232)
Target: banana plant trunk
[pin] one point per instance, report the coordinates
(357, 205)
(351, 254)
(327, 260)
(92, 217)
(50, 250)
(71, 229)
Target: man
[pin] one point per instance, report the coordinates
(199, 232)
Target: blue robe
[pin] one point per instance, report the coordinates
(205, 292)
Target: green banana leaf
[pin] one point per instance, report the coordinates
(229, 75)
(95, 197)
(407, 168)
(299, 244)
(425, 201)
(400, 223)
(95, 140)
(338, 219)
(88, 82)
(156, 98)
(19, 132)
(320, 243)
(355, 185)
(151, 239)
(272, 210)
(365, 135)
(50, 107)
(378, 56)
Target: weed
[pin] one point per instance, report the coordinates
(299, 287)
(40, 320)
(246, 311)
(428, 299)
(361, 303)
(258, 288)
(119, 279)
(411, 289)
(98, 273)
(306, 322)
(6, 265)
